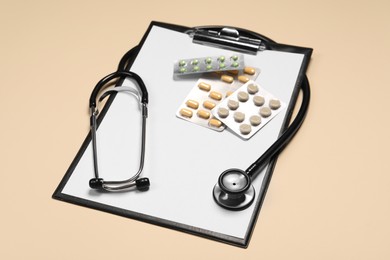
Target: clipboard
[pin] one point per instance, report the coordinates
(183, 161)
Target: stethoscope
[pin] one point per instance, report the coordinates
(142, 95)
(234, 189)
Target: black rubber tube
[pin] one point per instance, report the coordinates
(287, 135)
(118, 74)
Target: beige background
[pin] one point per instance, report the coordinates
(329, 197)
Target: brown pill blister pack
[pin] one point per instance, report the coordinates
(209, 92)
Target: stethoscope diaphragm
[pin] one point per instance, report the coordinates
(234, 190)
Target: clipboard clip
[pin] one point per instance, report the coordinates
(227, 38)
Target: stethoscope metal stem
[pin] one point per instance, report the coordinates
(94, 145)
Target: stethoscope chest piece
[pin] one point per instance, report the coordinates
(234, 190)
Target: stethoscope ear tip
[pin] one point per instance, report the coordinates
(96, 183)
(142, 184)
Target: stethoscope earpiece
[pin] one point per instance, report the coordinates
(142, 184)
(234, 190)
(96, 183)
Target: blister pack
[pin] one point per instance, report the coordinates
(209, 92)
(208, 64)
(248, 109)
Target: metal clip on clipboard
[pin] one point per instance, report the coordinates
(227, 38)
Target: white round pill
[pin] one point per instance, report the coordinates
(239, 117)
(232, 104)
(274, 104)
(245, 129)
(242, 96)
(252, 88)
(258, 101)
(265, 112)
(255, 120)
(223, 112)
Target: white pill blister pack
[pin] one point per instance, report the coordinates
(209, 92)
(248, 109)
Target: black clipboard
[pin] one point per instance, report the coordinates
(219, 236)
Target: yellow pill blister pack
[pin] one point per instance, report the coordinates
(248, 109)
(209, 92)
